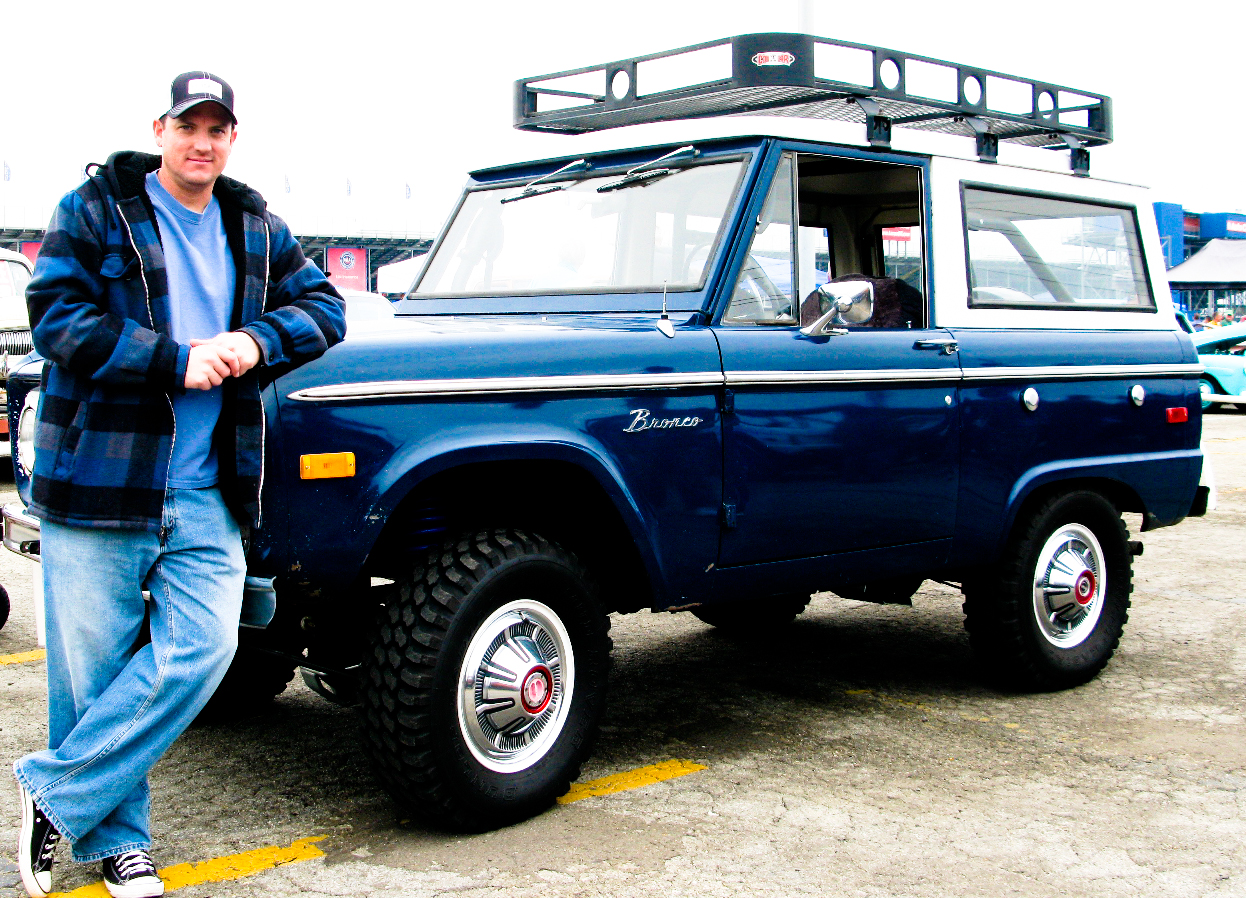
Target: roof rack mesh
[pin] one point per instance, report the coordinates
(820, 78)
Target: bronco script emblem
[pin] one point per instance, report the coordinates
(643, 420)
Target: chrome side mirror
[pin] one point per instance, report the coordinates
(844, 303)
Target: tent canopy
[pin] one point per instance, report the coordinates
(1220, 265)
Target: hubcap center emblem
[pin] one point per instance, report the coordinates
(537, 689)
(1084, 588)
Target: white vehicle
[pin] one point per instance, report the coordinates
(15, 271)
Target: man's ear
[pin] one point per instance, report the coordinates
(157, 130)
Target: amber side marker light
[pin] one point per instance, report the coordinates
(1178, 415)
(326, 464)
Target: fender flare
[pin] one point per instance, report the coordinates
(1125, 474)
(408, 470)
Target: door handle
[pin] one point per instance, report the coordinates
(945, 345)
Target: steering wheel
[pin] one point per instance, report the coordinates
(756, 298)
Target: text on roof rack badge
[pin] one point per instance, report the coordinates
(783, 58)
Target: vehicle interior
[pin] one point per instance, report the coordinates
(856, 219)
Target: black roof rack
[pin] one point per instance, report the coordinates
(822, 78)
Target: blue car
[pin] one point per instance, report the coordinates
(1222, 350)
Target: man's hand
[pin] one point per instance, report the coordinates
(230, 354)
(209, 365)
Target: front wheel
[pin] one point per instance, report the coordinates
(485, 680)
(1051, 616)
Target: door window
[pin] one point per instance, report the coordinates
(855, 219)
(765, 290)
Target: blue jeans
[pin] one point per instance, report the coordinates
(115, 707)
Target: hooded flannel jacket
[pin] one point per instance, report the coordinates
(100, 311)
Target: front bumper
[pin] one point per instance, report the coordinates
(21, 531)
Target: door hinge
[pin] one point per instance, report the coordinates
(727, 405)
(729, 517)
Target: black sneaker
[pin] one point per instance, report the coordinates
(132, 875)
(36, 843)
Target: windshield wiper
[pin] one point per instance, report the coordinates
(530, 189)
(644, 173)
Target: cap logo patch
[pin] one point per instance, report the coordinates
(773, 59)
(204, 86)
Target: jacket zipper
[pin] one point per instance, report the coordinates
(259, 496)
(172, 414)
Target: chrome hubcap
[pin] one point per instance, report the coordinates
(515, 686)
(1069, 584)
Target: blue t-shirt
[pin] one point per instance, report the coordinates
(201, 295)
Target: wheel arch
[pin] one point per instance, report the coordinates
(1122, 496)
(566, 493)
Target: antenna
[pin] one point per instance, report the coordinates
(664, 323)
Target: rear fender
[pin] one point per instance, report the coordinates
(1159, 485)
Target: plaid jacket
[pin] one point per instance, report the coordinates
(99, 313)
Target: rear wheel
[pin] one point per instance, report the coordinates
(1206, 387)
(485, 680)
(1052, 615)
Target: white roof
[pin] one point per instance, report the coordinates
(903, 140)
(16, 257)
(1221, 262)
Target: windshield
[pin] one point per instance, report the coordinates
(579, 240)
(13, 280)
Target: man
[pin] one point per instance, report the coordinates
(161, 289)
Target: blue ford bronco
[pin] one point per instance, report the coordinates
(788, 326)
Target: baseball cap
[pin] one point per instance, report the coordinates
(192, 88)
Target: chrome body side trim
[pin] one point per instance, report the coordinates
(576, 383)
(866, 376)
(398, 389)
(1064, 372)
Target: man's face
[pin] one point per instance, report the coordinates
(195, 146)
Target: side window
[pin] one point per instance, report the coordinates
(1051, 252)
(765, 290)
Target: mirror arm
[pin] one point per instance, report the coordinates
(819, 328)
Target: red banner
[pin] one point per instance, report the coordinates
(347, 266)
(903, 235)
(30, 249)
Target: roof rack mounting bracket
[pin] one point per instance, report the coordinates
(877, 125)
(987, 142)
(1079, 156)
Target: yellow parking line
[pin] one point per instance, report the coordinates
(631, 779)
(23, 657)
(221, 869)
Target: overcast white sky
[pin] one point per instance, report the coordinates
(387, 95)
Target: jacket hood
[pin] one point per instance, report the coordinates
(126, 170)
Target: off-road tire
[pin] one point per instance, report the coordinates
(414, 730)
(753, 615)
(253, 680)
(4, 606)
(1000, 605)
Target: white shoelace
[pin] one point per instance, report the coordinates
(133, 864)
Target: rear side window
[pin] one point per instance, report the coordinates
(1032, 251)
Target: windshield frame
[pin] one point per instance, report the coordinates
(639, 298)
